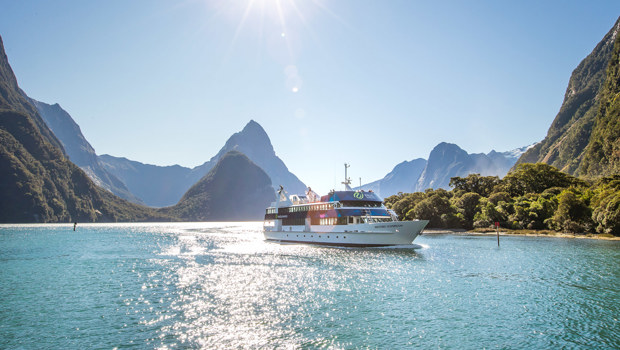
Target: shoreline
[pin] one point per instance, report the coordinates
(526, 233)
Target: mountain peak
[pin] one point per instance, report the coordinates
(252, 141)
(256, 132)
(447, 146)
(445, 149)
(252, 124)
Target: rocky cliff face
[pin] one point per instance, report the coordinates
(234, 189)
(12, 98)
(602, 154)
(570, 133)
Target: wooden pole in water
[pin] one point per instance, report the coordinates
(497, 227)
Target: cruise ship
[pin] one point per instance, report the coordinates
(341, 218)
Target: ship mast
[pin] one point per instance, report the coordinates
(347, 180)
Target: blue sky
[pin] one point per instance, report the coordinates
(371, 83)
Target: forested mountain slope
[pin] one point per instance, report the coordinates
(572, 144)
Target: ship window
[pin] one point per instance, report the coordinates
(327, 221)
(367, 204)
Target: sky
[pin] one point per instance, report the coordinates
(369, 83)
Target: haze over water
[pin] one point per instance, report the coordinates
(219, 285)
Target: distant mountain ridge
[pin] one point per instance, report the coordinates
(157, 186)
(585, 132)
(79, 150)
(164, 186)
(449, 160)
(402, 178)
(445, 161)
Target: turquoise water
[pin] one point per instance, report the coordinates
(218, 285)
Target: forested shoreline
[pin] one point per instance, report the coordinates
(533, 196)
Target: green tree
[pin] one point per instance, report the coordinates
(531, 211)
(535, 178)
(432, 209)
(482, 185)
(606, 205)
(467, 205)
(489, 215)
(573, 213)
(497, 197)
(405, 203)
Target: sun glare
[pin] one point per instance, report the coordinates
(265, 18)
(278, 26)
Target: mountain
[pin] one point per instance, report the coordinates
(402, 178)
(79, 151)
(234, 189)
(449, 160)
(38, 183)
(163, 186)
(157, 186)
(602, 154)
(572, 144)
(254, 142)
(445, 161)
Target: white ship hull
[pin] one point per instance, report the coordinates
(360, 235)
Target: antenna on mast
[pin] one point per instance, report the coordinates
(347, 180)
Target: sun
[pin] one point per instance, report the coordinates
(263, 17)
(275, 28)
